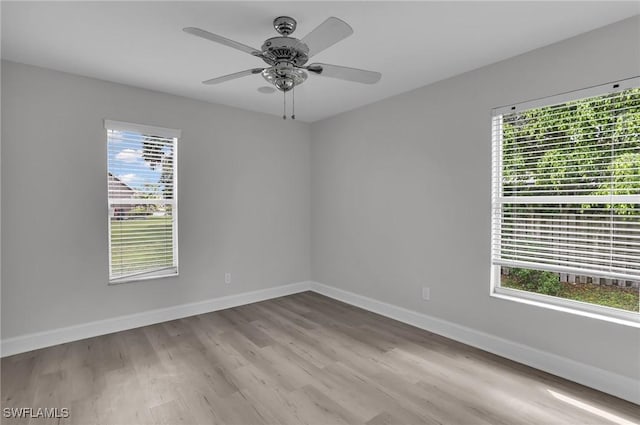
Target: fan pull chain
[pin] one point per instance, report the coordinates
(293, 108)
(284, 105)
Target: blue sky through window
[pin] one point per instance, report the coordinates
(125, 160)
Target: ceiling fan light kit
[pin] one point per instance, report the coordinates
(287, 56)
(284, 76)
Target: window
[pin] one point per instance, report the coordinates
(143, 201)
(566, 200)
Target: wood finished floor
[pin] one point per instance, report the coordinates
(300, 359)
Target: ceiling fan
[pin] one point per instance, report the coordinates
(287, 56)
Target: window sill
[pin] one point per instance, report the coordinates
(608, 314)
(171, 272)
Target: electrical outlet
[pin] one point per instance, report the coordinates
(426, 293)
(227, 278)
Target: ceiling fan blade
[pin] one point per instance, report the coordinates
(222, 40)
(326, 35)
(233, 76)
(345, 73)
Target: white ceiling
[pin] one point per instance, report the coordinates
(411, 43)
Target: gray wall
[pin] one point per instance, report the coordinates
(243, 200)
(401, 197)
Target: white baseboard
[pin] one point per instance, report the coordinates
(37, 340)
(602, 380)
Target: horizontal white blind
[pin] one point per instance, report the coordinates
(142, 201)
(566, 186)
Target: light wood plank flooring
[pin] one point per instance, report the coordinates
(301, 359)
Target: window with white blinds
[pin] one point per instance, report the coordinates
(566, 183)
(143, 201)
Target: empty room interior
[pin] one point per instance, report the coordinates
(320, 212)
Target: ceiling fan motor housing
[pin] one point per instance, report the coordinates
(285, 49)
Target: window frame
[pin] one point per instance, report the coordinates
(156, 131)
(581, 308)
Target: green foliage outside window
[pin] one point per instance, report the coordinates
(538, 281)
(558, 150)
